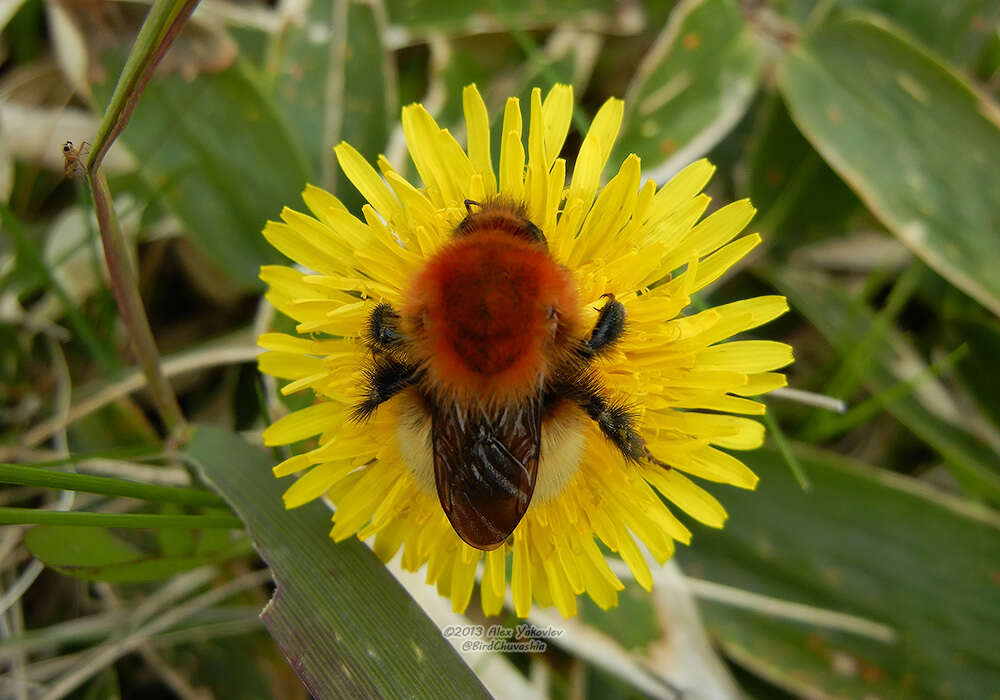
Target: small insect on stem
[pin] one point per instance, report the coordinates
(73, 159)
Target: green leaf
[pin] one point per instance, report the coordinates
(115, 425)
(633, 623)
(222, 158)
(800, 199)
(413, 18)
(132, 521)
(864, 542)
(481, 60)
(886, 135)
(979, 373)
(30, 257)
(328, 94)
(96, 554)
(845, 323)
(344, 623)
(38, 476)
(957, 29)
(173, 542)
(692, 88)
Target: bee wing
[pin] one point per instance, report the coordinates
(485, 463)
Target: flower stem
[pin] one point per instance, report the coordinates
(124, 284)
(162, 25)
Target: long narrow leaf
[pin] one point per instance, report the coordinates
(106, 486)
(33, 516)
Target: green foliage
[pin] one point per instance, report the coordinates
(221, 182)
(886, 136)
(864, 542)
(338, 86)
(865, 132)
(38, 476)
(692, 87)
(96, 554)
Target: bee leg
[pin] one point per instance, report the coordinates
(616, 419)
(608, 329)
(384, 378)
(383, 331)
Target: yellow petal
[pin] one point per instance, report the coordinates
(321, 203)
(714, 465)
(761, 384)
(748, 356)
(692, 499)
(713, 267)
(303, 423)
(610, 213)
(537, 184)
(421, 133)
(315, 483)
(521, 578)
(360, 172)
(477, 129)
(288, 365)
(595, 150)
(562, 596)
(512, 153)
(463, 577)
(557, 112)
(303, 249)
(681, 188)
(633, 557)
(720, 227)
(494, 584)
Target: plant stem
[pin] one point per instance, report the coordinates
(125, 286)
(163, 23)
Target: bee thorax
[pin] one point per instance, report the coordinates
(488, 312)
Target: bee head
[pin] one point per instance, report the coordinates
(499, 215)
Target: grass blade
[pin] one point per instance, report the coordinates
(34, 516)
(35, 476)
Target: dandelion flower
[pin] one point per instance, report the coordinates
(599, 276)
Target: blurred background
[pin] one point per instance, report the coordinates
(866, 564)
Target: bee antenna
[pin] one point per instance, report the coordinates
(469, 203)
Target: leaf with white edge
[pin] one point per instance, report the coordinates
(914, 141)
(956, 29)
(865, 542)
(692, 88)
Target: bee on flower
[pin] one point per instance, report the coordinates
(502, 369)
